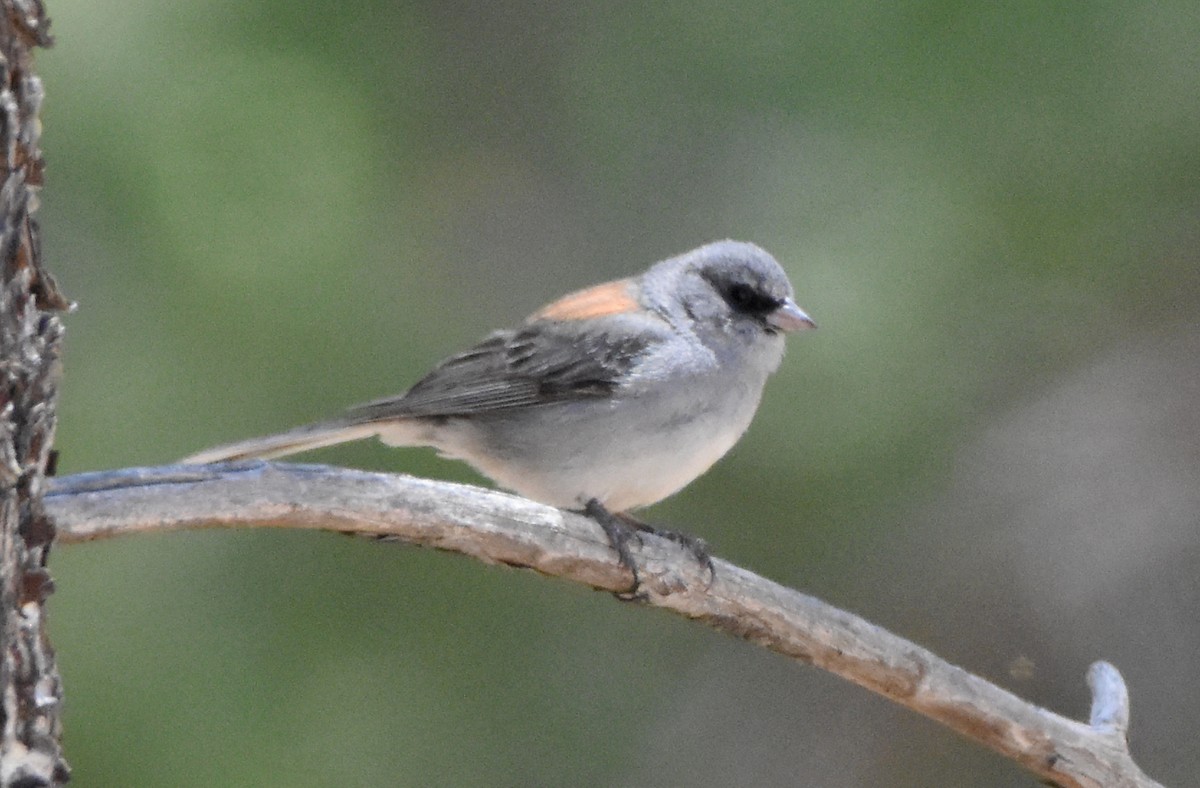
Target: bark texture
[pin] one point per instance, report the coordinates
(30, 338)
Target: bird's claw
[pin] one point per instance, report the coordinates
(620, 528)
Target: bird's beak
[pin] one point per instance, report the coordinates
(789, 317)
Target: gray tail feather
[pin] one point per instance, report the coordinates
(311, 436)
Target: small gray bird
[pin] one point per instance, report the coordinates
(606, 400)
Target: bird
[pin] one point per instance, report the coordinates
(604, 401)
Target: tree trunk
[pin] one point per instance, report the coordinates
(30, 337)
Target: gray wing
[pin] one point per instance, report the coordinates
(522, 368)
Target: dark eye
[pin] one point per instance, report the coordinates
(744, 298)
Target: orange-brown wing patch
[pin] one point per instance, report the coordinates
(610, 298)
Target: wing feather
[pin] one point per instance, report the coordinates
(539, 363)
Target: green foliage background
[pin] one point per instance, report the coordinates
(269, 211)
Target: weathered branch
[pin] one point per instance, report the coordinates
(499, 528)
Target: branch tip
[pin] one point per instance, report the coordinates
(1110, 699)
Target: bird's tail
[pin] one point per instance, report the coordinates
(311, 436)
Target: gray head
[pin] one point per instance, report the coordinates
(733, 287)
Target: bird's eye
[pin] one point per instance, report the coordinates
(741, 296)
(746, 299)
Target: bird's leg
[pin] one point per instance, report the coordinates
(618, 531)
(620, 527)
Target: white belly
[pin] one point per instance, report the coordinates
(626, 455)
(626, 452)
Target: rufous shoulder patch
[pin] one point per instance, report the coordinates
(610, 298)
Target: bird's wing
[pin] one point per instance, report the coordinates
(538, 363)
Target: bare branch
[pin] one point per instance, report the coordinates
(1110, 700)
(499, 528)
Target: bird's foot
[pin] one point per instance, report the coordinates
(619, 531)
(693, 544)
(620, 528)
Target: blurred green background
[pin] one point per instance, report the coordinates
(269, 211)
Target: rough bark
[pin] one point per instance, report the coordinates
(30, 337)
